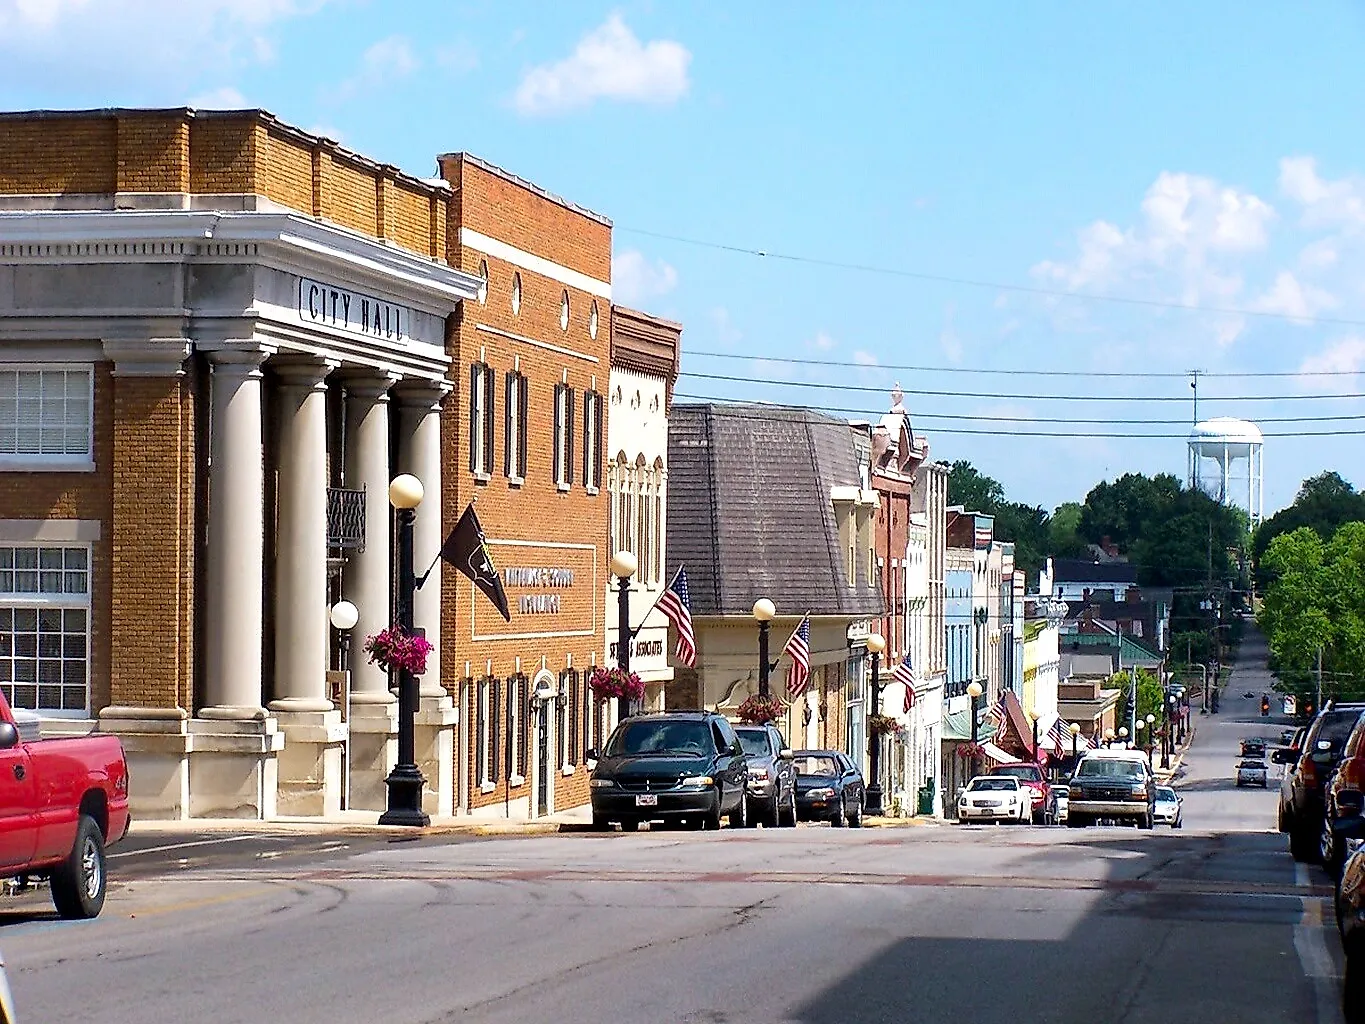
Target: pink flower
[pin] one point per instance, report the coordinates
(395, 649)
(612, 682)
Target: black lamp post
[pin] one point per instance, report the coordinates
(876, 644)
(764, 611)
(1033, 714)
(974, 692)
(405, 782)
(623, 566)
(1075, 732)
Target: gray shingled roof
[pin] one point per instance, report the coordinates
(749, 510)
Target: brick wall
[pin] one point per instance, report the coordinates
(536, 510)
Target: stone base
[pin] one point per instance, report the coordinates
(310, 765)
(234, 763)
(372, 749)
(156, 742)
(435, 745)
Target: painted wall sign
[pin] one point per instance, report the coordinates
(639, 649)
(550, 590)
(330, 306)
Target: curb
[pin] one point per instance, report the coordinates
(1170, 773)
(917, 821)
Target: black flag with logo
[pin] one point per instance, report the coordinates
(467, 551)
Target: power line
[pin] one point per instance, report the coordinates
(1075, 421)
(1055, 293)
(940, 393)
(1146, 374)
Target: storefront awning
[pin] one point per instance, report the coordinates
(994, 753)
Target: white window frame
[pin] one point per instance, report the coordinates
(479, 461)
(561, 437)
(39, 601)
(61, 461)
(592, 412)
(516, 685)
(484, 755)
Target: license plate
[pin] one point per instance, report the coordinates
(647, 800)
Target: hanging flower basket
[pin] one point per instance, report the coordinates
(395, 649)
(968, 751)
(882, 725)
(756, 710)
(612, 682)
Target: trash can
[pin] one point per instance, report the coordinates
(926, 798)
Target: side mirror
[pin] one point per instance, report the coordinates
(1286, 756)
(9, 735)
(591, 754)
(1349, 828)
(737, 750)
(786, 754)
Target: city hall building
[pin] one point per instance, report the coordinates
(220, 338)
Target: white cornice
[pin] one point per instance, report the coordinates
(535, 264)
(191, 235)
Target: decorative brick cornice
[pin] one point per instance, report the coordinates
(646, 344)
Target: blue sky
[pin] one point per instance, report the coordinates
(1193, 155)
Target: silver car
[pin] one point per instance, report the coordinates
(1169, 807)
(1253, 773)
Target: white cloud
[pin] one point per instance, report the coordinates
(726, 331)
(634, 278)
(1339, 361)
(609, 62)
(1288, 297)
(1319, 255)
(822, 342)
(459, 57)
(1339, 203)
(226, 98)
(385, 61)
(862, 358)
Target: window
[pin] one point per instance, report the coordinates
(481, 399)
(483, 760)
(46, 414)
(563, 439)
(494, 733)
(592, 440)
(516, 746)
(585, 705)
(566, 740)
(564, 311)
(622, 540)
(643, 505)
(516, 294)
(483, 288)
(592, 321)
(516, 398)
(658, 522)
(45, 627)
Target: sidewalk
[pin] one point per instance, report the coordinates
(577, 819)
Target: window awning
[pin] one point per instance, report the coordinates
(994, 753)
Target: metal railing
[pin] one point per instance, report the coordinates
(346, 518)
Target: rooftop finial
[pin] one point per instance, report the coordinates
(897, 397)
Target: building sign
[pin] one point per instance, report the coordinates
(551, 591)
(329, 306)
(639, 649)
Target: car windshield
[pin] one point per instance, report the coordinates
(1100, 768)
(1258, 765)
(1165, 795)
(818, 766)
(1336, 727)
(754, 742)
(984, 785)
(676, 737)
(1022, 772)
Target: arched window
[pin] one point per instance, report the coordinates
(641, 516)
(658, 520)
(614, 512)
(625, 537)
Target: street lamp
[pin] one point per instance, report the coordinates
(1123, 736)
(344, 615)
(623, 566)
(764, 611)
(974, 692)
(1151, 731)
(1033, 716)
(405, 782)
(1108, 737)
(1075, 731)
(876, 643)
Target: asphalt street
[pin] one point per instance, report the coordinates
(978, 924)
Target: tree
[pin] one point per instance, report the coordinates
(1025, 526)
(1324, 503)
(1121, 511)
(1064, 538)
(973, 490)
(1149, 695)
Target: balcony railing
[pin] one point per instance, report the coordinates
(346, 518)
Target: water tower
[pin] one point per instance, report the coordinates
(1227, 462)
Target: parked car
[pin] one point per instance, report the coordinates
(1057, 809)
(1302, 800)
(1252, 772)
(62, 801)
(1343, 797)
(994, 798)
(829, 787)
(772, 776)
(1287, 737)
(1032, 778)
(1112, 784)
(1170, 807)
(681, 765)
(1350, 906)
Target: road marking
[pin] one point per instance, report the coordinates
(1313, 956)
(183, 846)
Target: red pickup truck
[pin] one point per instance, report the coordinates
(61, 802)
(1032, 778)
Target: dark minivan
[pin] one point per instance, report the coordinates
(1302, 806)
(680, 765)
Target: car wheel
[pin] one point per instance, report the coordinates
(1075, 821)
(1145, 822)
(1178, 823)
(837, 818)
(1303, 845)
(855, 820)
(710, 819)
(772, 812)
(1039, 818)
(961, 820)
(600, 823)
(1330, 851)
(80, 882)
(739, 817)
(754, 813)
(1353, 984)
(788, 816)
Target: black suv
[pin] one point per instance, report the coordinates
(1301, 812)
(686, 765)
(772, 776)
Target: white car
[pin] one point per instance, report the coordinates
(994, 798)
(1169, 807)
(1253, 773)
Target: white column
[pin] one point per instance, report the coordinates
(301, 627)
(234, 591)
(368, 573)
(419, 453)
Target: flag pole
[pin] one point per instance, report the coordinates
(666, 589)
(423, 578)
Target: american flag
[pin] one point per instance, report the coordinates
(995, 717)
(904, 673)
(1094, 741)
(1059, 734)
(798, 647)
(676, 605)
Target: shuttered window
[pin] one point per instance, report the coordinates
(515, 408)
(592, 440)
(47, 414)
(481, 398)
